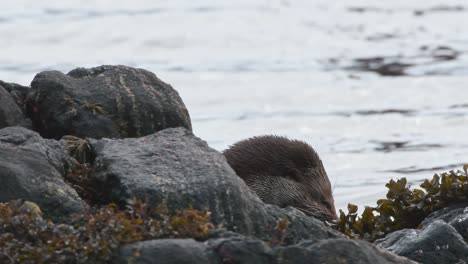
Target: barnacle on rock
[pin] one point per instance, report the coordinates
(405, 207)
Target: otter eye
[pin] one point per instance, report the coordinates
(326, 203)
(294, 174)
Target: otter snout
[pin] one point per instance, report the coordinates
(320, 211)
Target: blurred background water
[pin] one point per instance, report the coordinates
(377, 87)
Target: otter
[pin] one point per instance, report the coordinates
(284, 172)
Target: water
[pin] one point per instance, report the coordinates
(304, 69)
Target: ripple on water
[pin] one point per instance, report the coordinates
(389, 146)
(400, 65)
(436, 169)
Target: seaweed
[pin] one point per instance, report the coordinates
(90, 237)
(405, 207)
(279, 232)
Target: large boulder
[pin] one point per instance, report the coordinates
(106, 101)
(175, 169)
(10, 112)
(33, 168)
(241, 249)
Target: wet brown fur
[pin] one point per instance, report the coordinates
(284, 172)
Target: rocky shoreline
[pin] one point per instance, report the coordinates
(133, 133)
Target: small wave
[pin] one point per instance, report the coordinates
(391, 146)
(400, 65)
(414, 169)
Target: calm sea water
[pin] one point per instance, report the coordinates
(303, 69)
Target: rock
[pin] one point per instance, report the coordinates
(164, 251)
(10, 112)
(33, 168)
(446, 214)
(18, 92)
(337, 251)
(175, 169)
(241, 249)
(456, 216)
(438, 242)
(106, 101)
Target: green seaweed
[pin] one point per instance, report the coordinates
(405, 207)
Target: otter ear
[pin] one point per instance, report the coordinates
(294, 174)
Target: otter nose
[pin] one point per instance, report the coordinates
(320, 212)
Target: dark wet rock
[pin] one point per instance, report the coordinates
(240, 249)
(438, 242)
(33, 168)
(175, 169)
(10, 112)
(106, 101)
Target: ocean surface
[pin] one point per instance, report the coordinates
(378, 88)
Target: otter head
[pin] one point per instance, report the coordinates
(284, 172)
